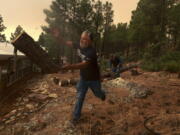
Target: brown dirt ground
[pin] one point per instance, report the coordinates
(160, 111)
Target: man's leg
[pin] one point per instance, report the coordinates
(96, 88)
(82, 88)
(117, 74)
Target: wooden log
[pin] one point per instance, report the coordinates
(64, 83)
(56, 80)
(73, 81)
(35, 53)
(134, 72)
(179, 75)
(111, 74)
(128, 68)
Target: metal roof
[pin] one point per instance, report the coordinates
(7, 51)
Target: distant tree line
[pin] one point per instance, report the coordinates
(152, 36)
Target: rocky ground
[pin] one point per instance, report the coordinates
(146, 104)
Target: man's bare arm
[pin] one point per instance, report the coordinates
(57, 35)
(76, 66)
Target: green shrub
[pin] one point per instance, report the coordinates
(104, 64)
(171, 66)
(151, 66)
(167, 62)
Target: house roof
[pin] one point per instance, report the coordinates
(7, 51)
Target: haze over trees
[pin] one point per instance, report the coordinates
(152, 35)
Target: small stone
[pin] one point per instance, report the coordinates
(35, 91)
(44, 92)
(19, 114)
(53, 95)
(70, 131)
(111, 102)
(30, 106)
(25, 99)
(13, 112)
(8, 121)
(20, 109)
(23, 117)
(22, 103)
(12, 118)
(18, 99)
(3, 120)
(63, 92)
(89, 106)
(25, 114)
(1, 127)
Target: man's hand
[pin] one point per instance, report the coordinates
(69, 43)
(66, 67)
(76, 66)
(55, 33)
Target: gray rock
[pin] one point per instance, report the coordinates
(25, 99)
(140, 92)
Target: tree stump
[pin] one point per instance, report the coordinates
(134, 72)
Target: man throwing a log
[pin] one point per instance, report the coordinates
(89, 71)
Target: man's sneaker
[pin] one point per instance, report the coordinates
(103, 98)
(74, 121)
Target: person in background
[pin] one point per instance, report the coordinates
(115, 65)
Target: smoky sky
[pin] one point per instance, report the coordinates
(29, 14)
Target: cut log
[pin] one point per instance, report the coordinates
(64, 83)
(179, 75)
(134, 72)
(106, 75)
(73, 81)
(128, 68)
(111, 74)
(56, 80)
(35, 53)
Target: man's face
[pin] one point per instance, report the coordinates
(85, 40)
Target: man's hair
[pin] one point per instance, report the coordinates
(89, 34)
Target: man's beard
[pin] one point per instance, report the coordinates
(83, 45)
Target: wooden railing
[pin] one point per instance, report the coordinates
(13, 77)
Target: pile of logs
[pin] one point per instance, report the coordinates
(65, 82)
